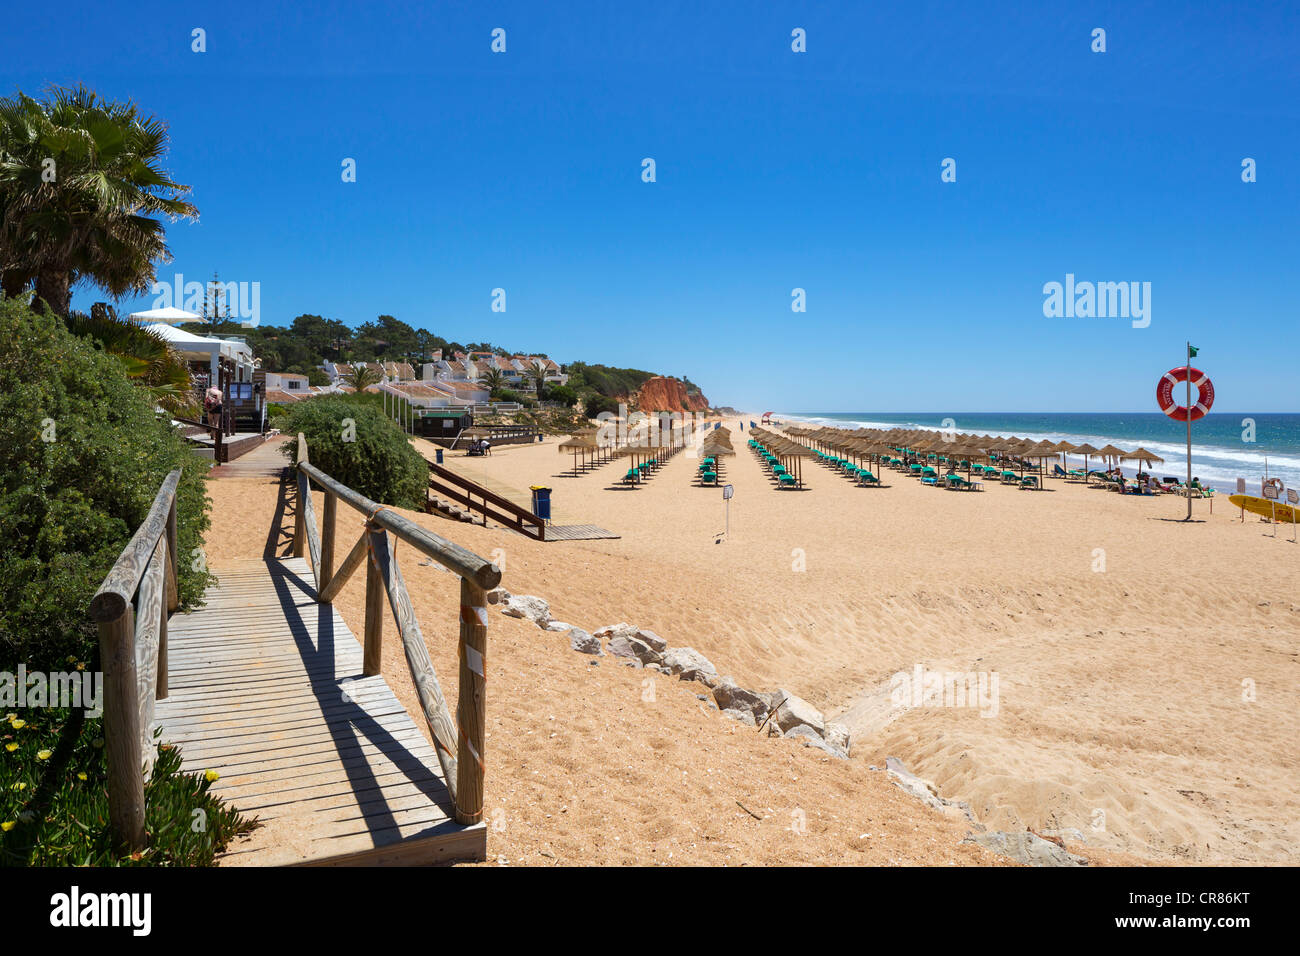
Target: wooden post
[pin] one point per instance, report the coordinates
(122, 731)
(470, 711)
(300, 523)
(375, 596)
(326, 569)
(173, 595)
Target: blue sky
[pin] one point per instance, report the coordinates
(775, 170)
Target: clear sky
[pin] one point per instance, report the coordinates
(775, 170)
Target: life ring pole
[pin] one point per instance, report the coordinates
(1189, 430)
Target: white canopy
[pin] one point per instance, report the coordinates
(169, 316)
(197, 346)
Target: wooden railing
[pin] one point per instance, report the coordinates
(216, 434)
(131, 609)
(489, 504)
(458, 743)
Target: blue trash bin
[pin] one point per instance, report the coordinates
(437, 455)
(541, 501)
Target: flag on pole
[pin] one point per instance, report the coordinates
(1192, 350)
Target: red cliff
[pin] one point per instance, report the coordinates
(661, 394)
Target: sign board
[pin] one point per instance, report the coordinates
(1270, 492)
(1241, 486)
(727, 491)
(1292, 496)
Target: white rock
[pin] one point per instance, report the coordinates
(498, 596)
(744, 716)
(610, 631)
(559, 626)
(837, 735)
(624, 645)
(731, 697)
(527, 606)
(584, 643)
(689, 664)
(652, 640)
(795, 711)
(810, 738)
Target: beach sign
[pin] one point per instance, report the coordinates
(1292, 496)
(1241, 486)
(729, 490)
(1270, 492)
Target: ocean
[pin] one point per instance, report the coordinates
(1222, 450)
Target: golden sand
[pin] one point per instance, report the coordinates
(1153, 706)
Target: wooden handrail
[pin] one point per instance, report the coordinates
(457, 743)
(462, 491)
(131, 609)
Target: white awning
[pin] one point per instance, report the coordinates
(168, 316)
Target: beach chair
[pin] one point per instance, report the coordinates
(631, 477)
(1010, 477)
(1030, 482)
(786, 480)
(708, 478)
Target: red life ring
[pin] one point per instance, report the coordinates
(1165, 394)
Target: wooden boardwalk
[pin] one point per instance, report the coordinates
(264, 461)
(266, 689)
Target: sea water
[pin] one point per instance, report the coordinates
(1225, 447)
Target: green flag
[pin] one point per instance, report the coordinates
(1192, 350)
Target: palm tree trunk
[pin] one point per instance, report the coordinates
(56, 289)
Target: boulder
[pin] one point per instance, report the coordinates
(527, 606)
(498, 596)
(924, 790)
(651, 640)
(584, 643)
(810, 738)
(689, 664)
(794, 711)
(611, 631)
(1027, 848)
(559, 627)
(744, 716)
(731, 697)
(631, 647)
(837, 735)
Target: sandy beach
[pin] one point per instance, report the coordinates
(1146, 699)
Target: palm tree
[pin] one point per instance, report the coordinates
(362, 376)
(81, 183)
(492, 380)
(537, 375)
(148, 358)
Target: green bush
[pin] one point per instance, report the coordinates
(82, 454)
(54, 803)
(371, 455)
(562, 393)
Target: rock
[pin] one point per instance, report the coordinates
(731, 697)
(689, 664)
(584, 643)
(1026, 848)
(794, 711)
(527, 606)
(559, 627)
(498, 596)
(810, 738)
(651, 640)
(611, 631)
(837, 735)
(923, 790)
(744, 716)
(624, 645)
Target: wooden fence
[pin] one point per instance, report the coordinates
(458, 743)
(131, 609)
(489, 504)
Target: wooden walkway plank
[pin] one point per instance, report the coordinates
(266, 689)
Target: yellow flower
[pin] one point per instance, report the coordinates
(211, 776)
(81, 776)
(8, 825)
(11, 747)
(17, 724)
(20, 785)
(44, 754)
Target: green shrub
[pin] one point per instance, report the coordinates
(54, 803)
(82, 454)
(564, 394)
(372, 455)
